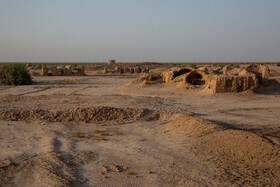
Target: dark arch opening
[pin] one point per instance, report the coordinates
(181, 72)
(195, 78)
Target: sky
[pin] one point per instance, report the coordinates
(140, 30)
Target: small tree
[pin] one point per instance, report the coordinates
(16, 74)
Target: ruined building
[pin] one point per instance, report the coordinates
(62, 71)
(111, 62)
(218, 80)
(124, 69)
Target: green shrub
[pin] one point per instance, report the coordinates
(193, 66)
(16, 74)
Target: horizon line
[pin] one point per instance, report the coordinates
(87, 62)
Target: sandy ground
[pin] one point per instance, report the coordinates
(91, 131)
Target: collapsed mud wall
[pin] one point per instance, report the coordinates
(261, 71)
(223, 84)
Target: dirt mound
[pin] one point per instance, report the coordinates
(51, 169)
(88, 115)
(242, 157)
(50, 166)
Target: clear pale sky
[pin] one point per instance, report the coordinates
(139, 30)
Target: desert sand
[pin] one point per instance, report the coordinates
(102, 130)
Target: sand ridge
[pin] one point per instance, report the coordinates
(88, 115)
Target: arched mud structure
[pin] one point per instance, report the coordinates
(195, 78)
(211, 81)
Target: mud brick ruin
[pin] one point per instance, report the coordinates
(62, 71)
(112, 68)
(215, 80)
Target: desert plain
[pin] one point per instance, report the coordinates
(101, 129)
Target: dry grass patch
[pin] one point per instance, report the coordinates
(107, 132)
(78, 135)
(102, 132)
(98, 135)
(130, 173)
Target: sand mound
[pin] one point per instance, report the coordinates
(241, 157)
(89, 115)
(190, 126)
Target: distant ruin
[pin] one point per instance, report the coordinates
(62, 71)
(111, 62)
(33, 66)
(215, 80)
(112, 69)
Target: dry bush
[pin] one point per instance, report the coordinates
(16, 74)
